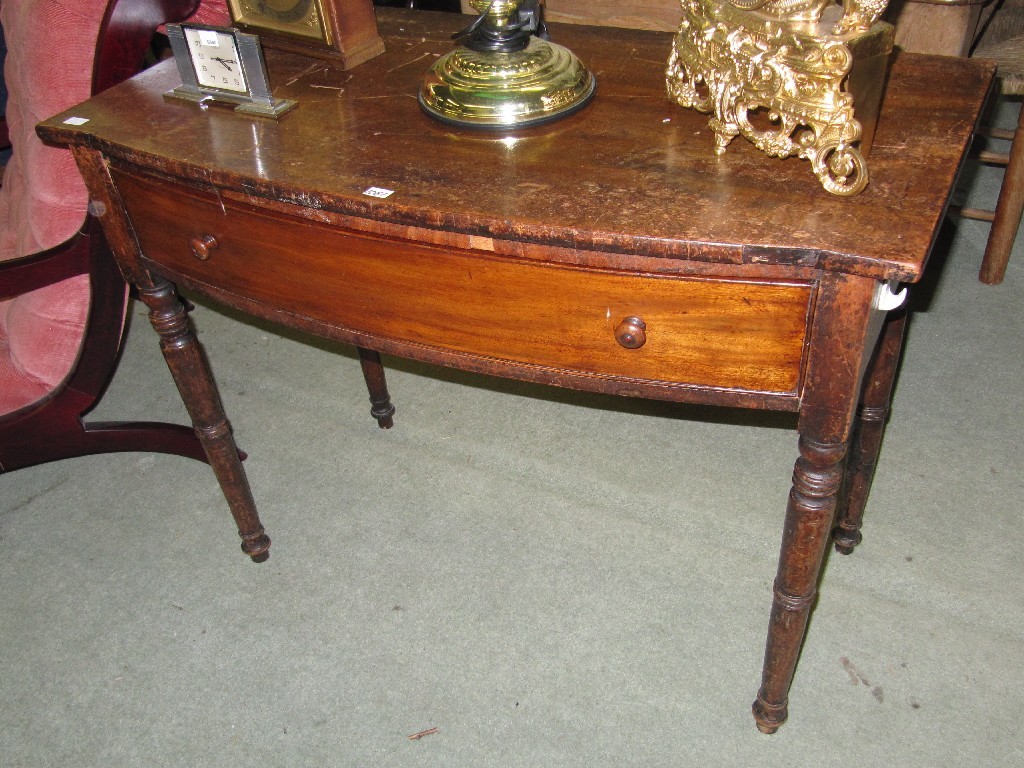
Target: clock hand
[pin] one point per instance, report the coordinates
(224, 62)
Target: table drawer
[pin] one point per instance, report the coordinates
(722, 333)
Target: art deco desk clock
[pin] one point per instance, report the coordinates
(341, 31)
(223, 64)
(787, 74)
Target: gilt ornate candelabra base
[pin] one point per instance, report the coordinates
(804, 64)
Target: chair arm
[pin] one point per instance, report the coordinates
(69, 259)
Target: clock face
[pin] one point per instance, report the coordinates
(216, 60)
(301, 18)
(286, 11)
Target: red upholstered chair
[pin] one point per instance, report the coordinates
(62, 299)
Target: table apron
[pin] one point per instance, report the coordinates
(720, 339)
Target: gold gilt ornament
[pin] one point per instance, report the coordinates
(786, 75)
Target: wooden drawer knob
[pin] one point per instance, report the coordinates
(203, 246)
(631, 333)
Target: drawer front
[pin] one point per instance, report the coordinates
(697, 331)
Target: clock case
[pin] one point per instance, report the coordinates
(347, 35)
(256, 101)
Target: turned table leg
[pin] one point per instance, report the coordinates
(816, 480)
(871, 417)
(380, 400)
(843, 335)
(192, 375)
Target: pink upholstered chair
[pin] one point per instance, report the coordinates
(62, 299)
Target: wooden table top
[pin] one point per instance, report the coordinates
(632, 172)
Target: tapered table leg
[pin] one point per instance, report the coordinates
(871, 417)
(194, 380)
(844, 333)
(816, 481)
(380, 400)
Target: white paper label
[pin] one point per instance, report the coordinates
(378, 192)
(76, 121)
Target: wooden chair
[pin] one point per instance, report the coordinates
(1002, 40)
(942, 27)
(62, 300)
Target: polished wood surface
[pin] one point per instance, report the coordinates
(583, 183)
(611, 251)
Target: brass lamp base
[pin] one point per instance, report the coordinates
(505, 74)
(488, 89)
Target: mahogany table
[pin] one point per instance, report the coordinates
(611, 251)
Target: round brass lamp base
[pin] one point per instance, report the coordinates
(491, 89)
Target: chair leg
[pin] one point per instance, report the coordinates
(380, 401)
(1008, 213)
(146, 436)
(47, 439)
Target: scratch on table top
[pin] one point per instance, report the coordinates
(337, 88)
(386, 96)
(411, 61)
(307, 71)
